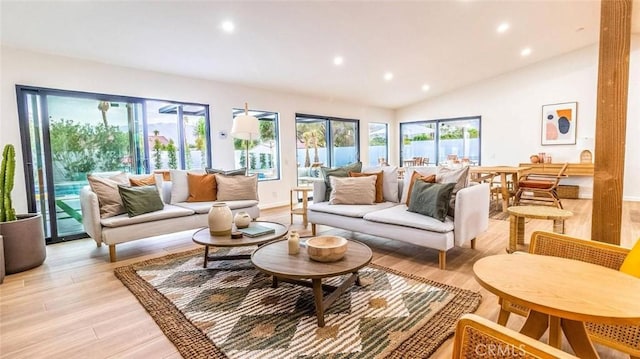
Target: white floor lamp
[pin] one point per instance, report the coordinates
(245, 127)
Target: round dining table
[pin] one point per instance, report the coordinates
(562, 295)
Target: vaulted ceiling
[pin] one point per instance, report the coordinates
(290, 46)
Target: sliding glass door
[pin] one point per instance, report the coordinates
(67, 135)
(324, 141)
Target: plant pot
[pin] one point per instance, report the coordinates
(1, 260)
(24, 245)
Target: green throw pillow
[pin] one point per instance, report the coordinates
(140, 200)
(431, 199)
(239, 172)
(338, 172)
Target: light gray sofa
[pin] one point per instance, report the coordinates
(176, 216)
(391, 219)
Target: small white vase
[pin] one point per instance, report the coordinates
(220, 220)
(242, 219)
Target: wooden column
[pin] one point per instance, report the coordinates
(611, 120)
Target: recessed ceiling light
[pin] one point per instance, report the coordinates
(526, 51)
(227, 26)
(388, 76)
(502, 27)
(425, 87)
(338, 60)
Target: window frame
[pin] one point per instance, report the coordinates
(386, 139)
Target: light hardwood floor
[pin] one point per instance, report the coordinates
(73, 306)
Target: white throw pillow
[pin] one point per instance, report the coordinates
(353, 190)
(180, 185)
(389, 181)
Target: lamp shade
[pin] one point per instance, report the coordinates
(245, 127)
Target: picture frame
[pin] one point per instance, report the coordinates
(559, 123)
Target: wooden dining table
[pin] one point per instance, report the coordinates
(562, 295)
(503, 171)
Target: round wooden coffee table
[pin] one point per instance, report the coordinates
(204, 238)
(519, 213)
(274, 259)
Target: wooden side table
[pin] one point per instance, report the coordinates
(295, 208)
(519, 213)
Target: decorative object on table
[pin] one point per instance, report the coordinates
(541, 157)
(236, 235)
(586, 157)
(245, 127)
(326, 248)
(547, 159)
(242, 219)
(23, 234)
(587, 144)
(534, 158)
(220, 220)
(559, 123)
(162, 285)
(256, 231)
(293, 243)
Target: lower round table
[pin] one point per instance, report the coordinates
(519, 213)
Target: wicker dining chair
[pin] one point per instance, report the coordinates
(543, 187)
(625, 338)
(477, 337)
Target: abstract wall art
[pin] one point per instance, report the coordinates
(559, 123)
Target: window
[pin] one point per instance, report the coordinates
(441, 140)
(68, 134)
(264, 158)
(378, 144)
(324, 141)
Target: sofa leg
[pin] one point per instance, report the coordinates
(112, 252)
(473, 243)
(442, 259)
(313, 229)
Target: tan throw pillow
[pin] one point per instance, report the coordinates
(106, 188)
(353, 190)
(237, 188)
(379, 181)
(418, 177)
(202, 187)
(143, 181)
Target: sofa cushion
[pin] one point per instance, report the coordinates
(415, 178)
(168, 211)
(237, 172)
(408, 174)
(349, 210)
(353, 190)
(399, 215)
(142, 180)
(180, 185)
(389, 181)
(204, 207)
(202, 187)
(106, 188)
(379, 181)
(236, 188)
(139, 200)
(343, 171)
(430, 199)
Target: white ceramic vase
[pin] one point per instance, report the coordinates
(220, 220)
(242, 219)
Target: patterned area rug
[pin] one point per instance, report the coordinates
(230, 310)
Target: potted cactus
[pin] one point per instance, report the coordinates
(22, 235)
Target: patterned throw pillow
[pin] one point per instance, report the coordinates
(353, 190)
(343, 171)
(379, 181)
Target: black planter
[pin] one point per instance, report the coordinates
(24, 245)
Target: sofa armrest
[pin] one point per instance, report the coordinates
(471, 213)
(91, 214)
(319, 190)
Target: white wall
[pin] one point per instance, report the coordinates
(511, 109)
(36, 69)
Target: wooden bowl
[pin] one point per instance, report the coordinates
(326, 248)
